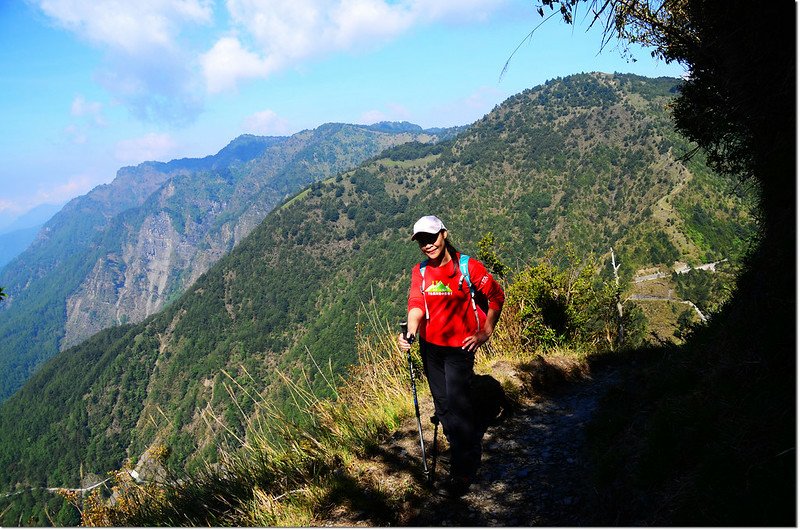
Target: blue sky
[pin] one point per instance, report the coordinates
(89, 86)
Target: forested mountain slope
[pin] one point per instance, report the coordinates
(591, 159)
(121, 252)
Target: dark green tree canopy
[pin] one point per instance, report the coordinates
(738, 102)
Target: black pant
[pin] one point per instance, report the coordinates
(449, 371)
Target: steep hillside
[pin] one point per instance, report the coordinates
(121, 252)
(590, 159)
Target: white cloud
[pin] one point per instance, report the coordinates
(88, 115)
(281, 28)
(81, 107)
(128, 26)
(362, 22)
(59, 193)
(52, 194)
(148, 67)
(160, 72)
(151, 146)
(266, 122)
(162, 87)
(284, 32)
(227, 63)
(90, 110)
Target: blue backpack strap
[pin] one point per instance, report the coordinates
(463, 265)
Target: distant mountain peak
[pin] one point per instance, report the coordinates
(395, 127)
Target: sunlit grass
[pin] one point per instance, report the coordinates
(318, 466)
(285, 469)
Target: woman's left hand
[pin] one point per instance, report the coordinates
(473, 342)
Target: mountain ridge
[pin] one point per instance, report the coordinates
(540, 172)
(124, 249)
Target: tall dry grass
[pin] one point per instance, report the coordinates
(368, 404)
(286, 472)
(284, 468)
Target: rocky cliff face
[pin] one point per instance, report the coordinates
(128, 286)
(190, 220)
(155, 265)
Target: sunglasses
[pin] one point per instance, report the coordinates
(427, 239)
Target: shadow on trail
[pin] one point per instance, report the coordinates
(365, 505)
(533, 470)
(490, 403)
(397, 463)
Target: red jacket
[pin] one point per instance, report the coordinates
(451, 318)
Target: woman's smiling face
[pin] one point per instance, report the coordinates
(432, 245)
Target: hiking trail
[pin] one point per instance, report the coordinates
(533, 470)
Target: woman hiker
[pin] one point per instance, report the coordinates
(451, 328)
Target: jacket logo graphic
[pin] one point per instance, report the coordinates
(439, 289)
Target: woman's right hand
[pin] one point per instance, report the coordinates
(403, 343)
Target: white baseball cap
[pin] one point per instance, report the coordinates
(430, 224)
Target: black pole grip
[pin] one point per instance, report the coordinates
(404, 329)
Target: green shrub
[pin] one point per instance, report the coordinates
(563, 300)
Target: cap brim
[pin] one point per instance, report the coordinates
(423, 232)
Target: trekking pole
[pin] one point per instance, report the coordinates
(404, 329)
(435, 452)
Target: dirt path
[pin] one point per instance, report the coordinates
(533, 470)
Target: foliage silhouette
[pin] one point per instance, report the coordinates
(732, 387)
